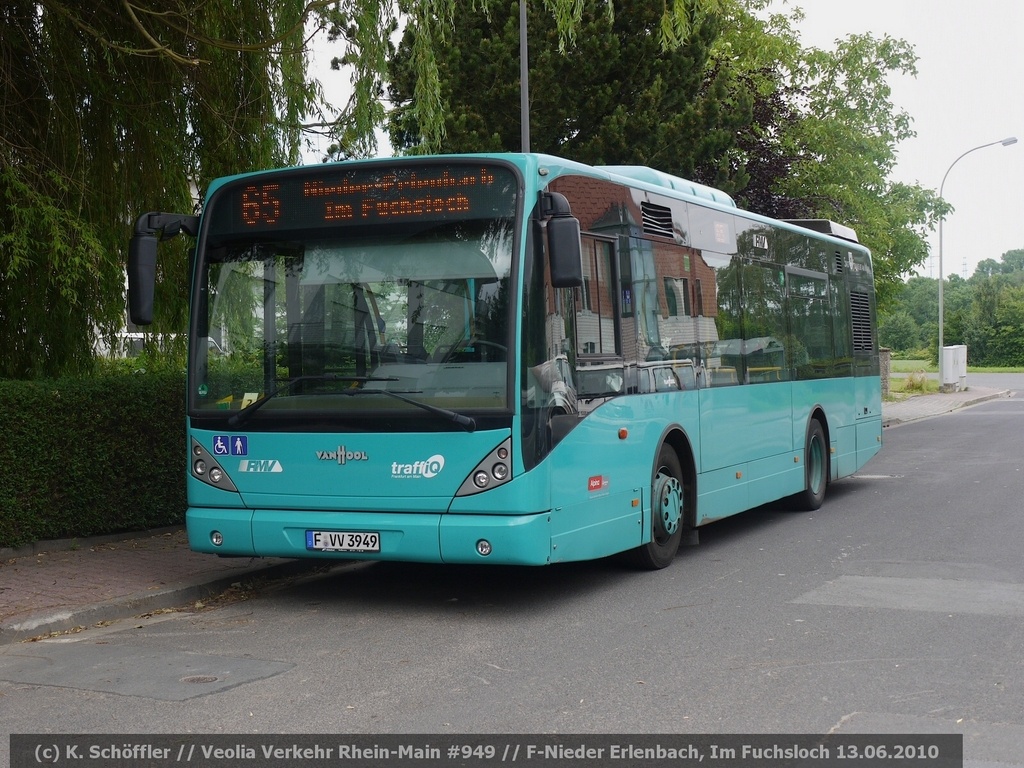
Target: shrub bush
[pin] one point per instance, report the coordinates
(83, 457)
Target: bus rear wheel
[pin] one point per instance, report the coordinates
(667, 507)
(816, 471)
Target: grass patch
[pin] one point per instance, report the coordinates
(916, 383)
(912, 366)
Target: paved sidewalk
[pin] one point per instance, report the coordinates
(924, 406)
(59, 586)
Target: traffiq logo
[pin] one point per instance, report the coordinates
(427, 468)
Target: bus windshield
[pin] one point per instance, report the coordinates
(421, 312)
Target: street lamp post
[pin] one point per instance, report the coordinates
(1004, 142)
(524, 81)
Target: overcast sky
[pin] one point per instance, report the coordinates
(969, 90)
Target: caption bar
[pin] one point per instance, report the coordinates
(487, 751)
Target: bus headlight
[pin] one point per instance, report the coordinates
(207, 469)
(493, 470)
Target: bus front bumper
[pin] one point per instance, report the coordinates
(426, 538)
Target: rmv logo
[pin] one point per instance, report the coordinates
(259, 465)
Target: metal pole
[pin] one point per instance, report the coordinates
(1005, 142)
(524, 79)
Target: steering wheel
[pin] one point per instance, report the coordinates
(461, 351)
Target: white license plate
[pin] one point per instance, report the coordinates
(343, 541)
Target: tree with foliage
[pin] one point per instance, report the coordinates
(821, 141)
(111, 109)
(365, 27)
(824, 143)
(898, 331)
(616, 96)
(984, 312)
(849, 138)
(1010, 263)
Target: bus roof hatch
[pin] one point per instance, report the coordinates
(827, 227)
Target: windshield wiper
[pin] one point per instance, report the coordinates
(468, 423)
(243, 415)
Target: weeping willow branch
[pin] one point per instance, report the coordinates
(157, 47)
(187, 31)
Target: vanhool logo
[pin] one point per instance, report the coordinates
(341, 455)
(427, 468)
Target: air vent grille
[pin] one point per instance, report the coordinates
(860, 312)
(657, 219)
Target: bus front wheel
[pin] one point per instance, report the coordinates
(667, 506)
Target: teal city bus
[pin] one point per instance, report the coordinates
(508, 358)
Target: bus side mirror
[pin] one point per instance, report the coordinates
(150, 228)
(141, 277)
(564, 249)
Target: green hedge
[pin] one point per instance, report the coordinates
(83, 457)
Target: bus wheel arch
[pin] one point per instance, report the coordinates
(672, 503)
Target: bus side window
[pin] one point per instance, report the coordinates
(595, 300)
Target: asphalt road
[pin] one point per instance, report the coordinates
(897, 607)
(1012, 381)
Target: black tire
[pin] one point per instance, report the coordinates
(668, 501)
(816, 469)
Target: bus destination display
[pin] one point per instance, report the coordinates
(297, 200)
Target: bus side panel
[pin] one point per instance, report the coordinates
(869, 440)
(746, 448)
(598, 527)
(600, 473)
(845, 457)
(746, 422)
(838, 398)
(775, 477)
(722, 492)
(869, 418)
(869, 397)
